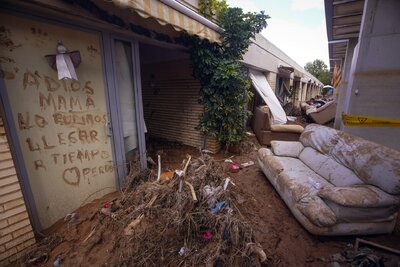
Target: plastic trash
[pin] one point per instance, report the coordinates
(227, 182)
(182, 251)
(234, 167)
(208, 190)
(247, 164)
(71, 217)
(207, 151)
(57, 262)
(106, 209)
(179, 172)
(219, 205)
(207, 235)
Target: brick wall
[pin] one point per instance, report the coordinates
(16, 233)
(170, 103)
(271, 78)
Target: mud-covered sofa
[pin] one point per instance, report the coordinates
(321, 115)
(265, 131)
(335, 183)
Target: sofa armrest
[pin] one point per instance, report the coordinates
(287, 128)
(362, 196)
(287, 148)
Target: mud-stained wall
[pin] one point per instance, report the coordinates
(60, 124)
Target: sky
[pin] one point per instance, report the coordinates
(297, 27)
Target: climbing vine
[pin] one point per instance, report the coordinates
(211, 8)
(224, 81)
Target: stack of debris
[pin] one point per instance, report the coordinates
(188, 219)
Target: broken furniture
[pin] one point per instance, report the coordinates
(321, 115)
(335, 183)
(265, 131)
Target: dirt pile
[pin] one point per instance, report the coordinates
(189, 219)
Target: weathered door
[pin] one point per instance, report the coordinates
(61, 125)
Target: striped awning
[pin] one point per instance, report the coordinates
(165, 14)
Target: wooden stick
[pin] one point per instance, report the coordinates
(90, 234)
(192, 191)
(129, 229)
(186, 166)
(151, 202)
(359, 240)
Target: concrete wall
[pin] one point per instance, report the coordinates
(271, 78)
(265, 56)
(342, 89)
(373, 88)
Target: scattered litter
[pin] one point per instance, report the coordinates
(57, 261)
(228, 161)
(207, 151)
(250, 134)
(208, 190)
(219, 205)
(373, 244)
(179, 173)
(71, 217)
(182, 251)
(227, 182)
(207, 235)
(247, 164)
(167, 175)
(106, 209)
(234, 167)
(153, 224)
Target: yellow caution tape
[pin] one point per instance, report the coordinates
(358, 120)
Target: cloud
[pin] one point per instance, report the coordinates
(301, 5)
(301, 43)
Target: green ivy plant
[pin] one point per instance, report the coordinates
(225, 86)
(211, 8)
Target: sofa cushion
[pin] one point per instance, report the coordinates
(297, 178)
(287, 148)
(333, 172)
(317, 211)
(358, 214)
(319, 137)
(373, 163)
(359, 196)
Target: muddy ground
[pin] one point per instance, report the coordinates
(284, 240)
